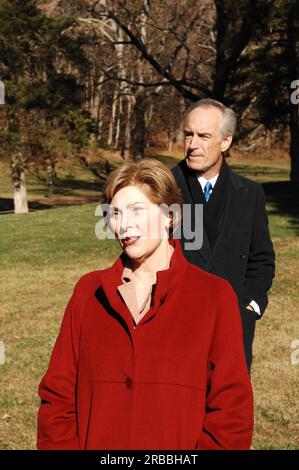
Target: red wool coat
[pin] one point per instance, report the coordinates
(176, 381)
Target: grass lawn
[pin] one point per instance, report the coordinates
(42, 255)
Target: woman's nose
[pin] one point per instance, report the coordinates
(126, 224)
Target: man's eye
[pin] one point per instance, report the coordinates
(188, 136)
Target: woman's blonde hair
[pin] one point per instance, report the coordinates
(154, 179)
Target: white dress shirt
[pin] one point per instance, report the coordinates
(203, 181)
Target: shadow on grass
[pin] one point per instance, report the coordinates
(7, 205)
(284, 197)
(75, 184)
(262, 172)
(75, 190)
(166, 159)
(57, 200)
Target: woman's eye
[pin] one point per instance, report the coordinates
(137, 209)
(114, 213)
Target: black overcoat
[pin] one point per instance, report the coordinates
(243, 251)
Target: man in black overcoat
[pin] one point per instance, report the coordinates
(236, 240)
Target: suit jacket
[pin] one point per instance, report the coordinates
(176, 381)
(243, 252)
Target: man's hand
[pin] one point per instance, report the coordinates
(249, 307)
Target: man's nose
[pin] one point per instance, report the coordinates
(194, 142)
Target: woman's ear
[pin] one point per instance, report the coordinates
(168, 224)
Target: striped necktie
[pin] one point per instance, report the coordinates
(207, 190)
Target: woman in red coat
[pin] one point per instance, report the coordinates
(150, 353)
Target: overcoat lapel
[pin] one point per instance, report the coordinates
(197, 198)
(237, 195)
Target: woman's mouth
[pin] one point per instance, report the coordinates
(129, 241)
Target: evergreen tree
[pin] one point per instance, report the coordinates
(44, 118)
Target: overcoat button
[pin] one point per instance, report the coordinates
(128, 382)
(243, 255)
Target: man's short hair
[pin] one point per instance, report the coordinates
(228, 123)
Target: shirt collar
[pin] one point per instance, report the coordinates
(202, 180)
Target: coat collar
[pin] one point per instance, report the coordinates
(111, 278)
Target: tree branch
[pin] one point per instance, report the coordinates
(164, 72)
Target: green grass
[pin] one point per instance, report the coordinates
(43, 254)
(52, 237)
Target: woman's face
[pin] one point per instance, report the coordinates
(138, 223)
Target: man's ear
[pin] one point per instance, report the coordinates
(226, 143)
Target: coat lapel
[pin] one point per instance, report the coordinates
(110, 280)
(237, 195)
(192, 194)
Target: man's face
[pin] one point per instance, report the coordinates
(204, 142)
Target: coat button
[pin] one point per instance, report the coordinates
(129, 382)
(243, 255)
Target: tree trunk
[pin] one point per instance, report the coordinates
(2, 92)
(127, 137)
(293, 18)
(112, 120)
(122, 87)
(52, 177)
(100, 118)
(138, 130)
(118, 121)
(99, 108)
(20, 193)
(235, 26)
(95, 103)
(139, 110)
